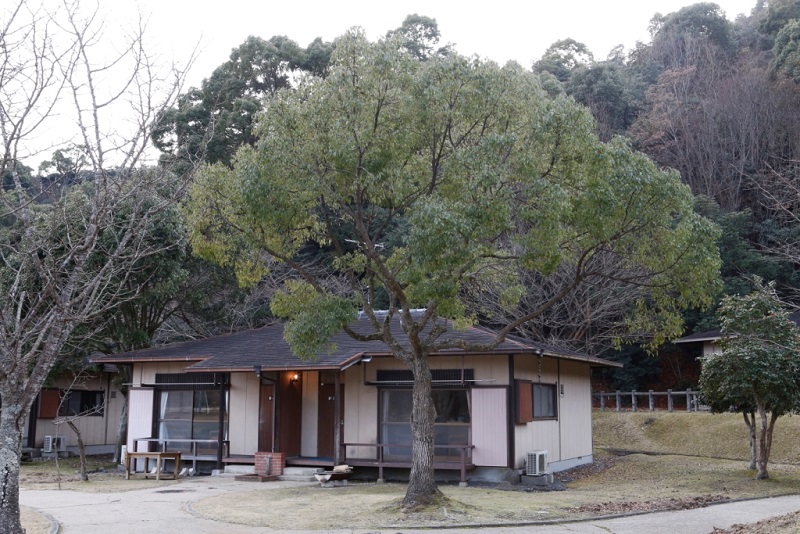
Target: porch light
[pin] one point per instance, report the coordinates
(257, 370)
(295, 377)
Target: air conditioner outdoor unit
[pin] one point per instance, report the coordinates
(536, 463)
(54, 444)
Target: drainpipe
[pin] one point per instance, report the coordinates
(510, 407)
(222, 410)
(337, 421)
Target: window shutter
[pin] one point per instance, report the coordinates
(49, 400)
(523, 403)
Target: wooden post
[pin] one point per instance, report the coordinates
(688, 400)
(650, 398)
(669, 400)
(619, 401)
(603, 401)
(633, 400)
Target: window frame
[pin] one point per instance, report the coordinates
(404, 453)
(537, 410)
(91, 403)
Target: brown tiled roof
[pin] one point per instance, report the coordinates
(265, 346)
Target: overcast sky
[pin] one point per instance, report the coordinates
(498, 29)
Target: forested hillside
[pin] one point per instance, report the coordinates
(714, 99)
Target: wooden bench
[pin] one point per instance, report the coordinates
(159, 457)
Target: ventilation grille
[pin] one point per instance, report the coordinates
(536, 463)
(182, 381)
(442, 378)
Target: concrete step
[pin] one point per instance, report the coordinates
(300, 474)
(237, 469)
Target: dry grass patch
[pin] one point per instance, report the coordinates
(45, 474)
(695, 434)
(631, 483)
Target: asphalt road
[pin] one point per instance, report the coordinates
(168, 510)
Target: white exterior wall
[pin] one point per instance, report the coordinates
(243, 413)
(309, 431)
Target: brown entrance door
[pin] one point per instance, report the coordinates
(266, 418)
(326, 429)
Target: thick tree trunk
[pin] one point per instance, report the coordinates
(422, 489)
(750, 421)
(11, 417)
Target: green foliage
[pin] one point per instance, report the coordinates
(563, 57)
(612, 91)
(759, 365)
(313, 318)
(421, 177)
(210, 123)
(419, 36)
(704, 20)
(787, 51)
(778, 14)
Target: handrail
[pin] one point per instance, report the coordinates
(380, 461)
(194, 442)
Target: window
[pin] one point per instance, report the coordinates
(76, 402)
(189, 415)
(451, 427)
(545, 402)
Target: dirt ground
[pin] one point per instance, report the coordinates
(612, 485)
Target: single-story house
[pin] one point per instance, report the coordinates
(233, 395)
(710, 338)
(94, 396)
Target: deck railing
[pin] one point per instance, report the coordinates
(182, 444)
(380, 460)
(630, 399)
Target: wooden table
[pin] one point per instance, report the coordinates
(159, 457)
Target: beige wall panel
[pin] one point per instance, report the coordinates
(575, 410)
(95, 429)
(361, 409)
(310, 413)
(146, 373)
(710, 347)
(243, 413)
(489, 428)
(536, 436)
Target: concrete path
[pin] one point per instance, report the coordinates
(167, 510)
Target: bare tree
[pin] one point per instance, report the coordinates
(64, 262)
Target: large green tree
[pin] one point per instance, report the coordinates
(426, 179)
(210, 122)
(758, 369)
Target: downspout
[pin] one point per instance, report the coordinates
(560, 418)
(511, 438)
(337, 421)
(107, 411)
(222, 409)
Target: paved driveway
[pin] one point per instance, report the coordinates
(168, 510)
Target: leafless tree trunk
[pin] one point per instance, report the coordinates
(68, 252)
(81, 449)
